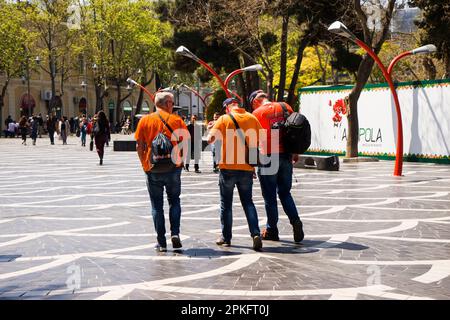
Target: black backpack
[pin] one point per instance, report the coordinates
(296, 132)
(161, 152)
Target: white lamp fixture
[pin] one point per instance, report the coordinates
(339, 28)
(182, 50)
(255, 67)
(429, 48)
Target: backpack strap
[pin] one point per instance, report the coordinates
(285, 110)
(166, 124)
(238, 129)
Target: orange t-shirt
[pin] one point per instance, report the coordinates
(268, 114)
(151, 125)
(233, 148)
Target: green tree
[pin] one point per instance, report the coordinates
(55, 43)
(121, 38)
(435, 23)
(374, 21)
(14, 54)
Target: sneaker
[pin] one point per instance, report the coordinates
(198, 171)
(160, 248)
(298, 231)
(101, 162)
(176, 243)
(257, 243)
(221, 242)
(270, 235)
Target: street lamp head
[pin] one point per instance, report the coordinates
(94, 67)
(429, 48)
(131, 82)
(139, 72)
(83, 84)
(37, 60)
(182, 50)
(129, 88)
(255, 67)
(339, 28)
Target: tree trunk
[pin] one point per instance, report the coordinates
(283, 58)
(118, 101)
(301, 47)
(269, 84)
(447, 65)
(2, 102)
(364, 71)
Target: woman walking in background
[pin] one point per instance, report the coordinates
(101, 134)
(23, 127)
(64, 129)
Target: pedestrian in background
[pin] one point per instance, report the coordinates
(51, 128)
(23, 128)
(101, 134)
(216, 146)
(195, 144)
(34, 129)
(64, 129)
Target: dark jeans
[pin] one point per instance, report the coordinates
(280, 182)
(156, 182)
(244, 182)
(100, 141)
(51, 135)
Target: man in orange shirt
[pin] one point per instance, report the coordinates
(277, 176)
(234, 169)
(168, 176)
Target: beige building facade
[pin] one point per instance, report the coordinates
(76, 99)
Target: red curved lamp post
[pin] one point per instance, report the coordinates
(187, 53)
(340, 29)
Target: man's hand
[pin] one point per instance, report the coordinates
(211, 139)
(295, 158)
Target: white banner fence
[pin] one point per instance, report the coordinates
(425, 108)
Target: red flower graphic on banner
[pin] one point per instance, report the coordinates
(339, 107)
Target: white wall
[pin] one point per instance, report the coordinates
(425, 114)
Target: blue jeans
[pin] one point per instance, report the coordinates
(156, 182)
(280, 182)
(244, 182)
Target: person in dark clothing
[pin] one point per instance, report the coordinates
(195, 145)
(101, 134)
(23, 127)
(51, 128)
(34, 129)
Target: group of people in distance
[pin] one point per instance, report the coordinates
(233, 134)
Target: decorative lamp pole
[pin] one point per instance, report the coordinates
(185, 52)
(340, 29)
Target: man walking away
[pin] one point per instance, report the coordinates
(157, 137)
(51, 128)
(234, 171)
(215, 147)
(195, 145)
(278, 179)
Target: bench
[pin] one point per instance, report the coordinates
(328, 163)
(124, 145)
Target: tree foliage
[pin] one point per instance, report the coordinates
(435, 23)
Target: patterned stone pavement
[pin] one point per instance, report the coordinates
(70, 229)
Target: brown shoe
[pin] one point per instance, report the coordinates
(257, 243)
(221, 242)
(270, 235)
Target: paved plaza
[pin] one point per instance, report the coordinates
(71, 229)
